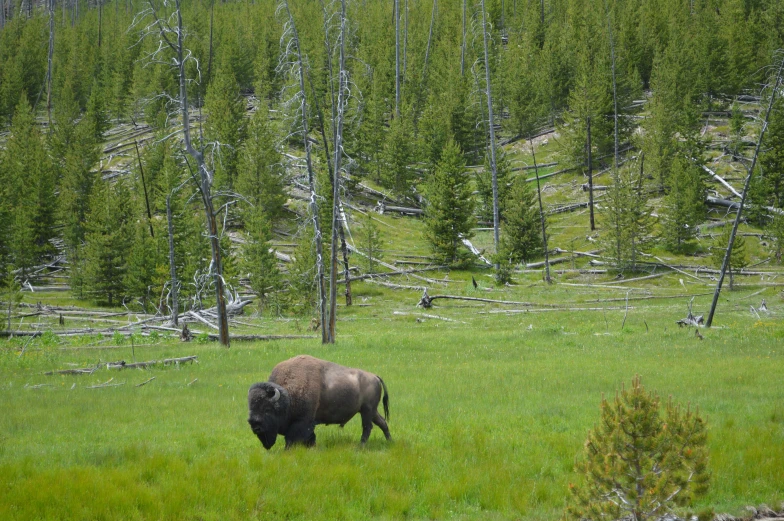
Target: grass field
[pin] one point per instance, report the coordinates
(487, 413)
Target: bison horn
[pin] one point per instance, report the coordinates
(275, 397)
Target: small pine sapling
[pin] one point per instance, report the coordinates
(738, 257)
(370, 244)
(640, 463)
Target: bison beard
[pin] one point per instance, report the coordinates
(304, 392)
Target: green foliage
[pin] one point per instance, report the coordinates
(225, 128)
(302, 271)
(397, 156)
(684, 204)
(449, 209)
(370, 244)
(772, 159)
(260, 171)
(259, 262)
(103, 258)
(521, 238)
(11, 294)
(738, 257)
(484, 186)
(28, 177)
(626, 219)
(145, 264)
(640, 462)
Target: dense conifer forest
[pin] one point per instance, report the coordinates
(154, 150)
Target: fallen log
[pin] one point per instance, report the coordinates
(427, 301)
(721, 180)
(86, 370)
(243, 338)
(145, 382)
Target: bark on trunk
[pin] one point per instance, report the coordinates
(492, 132)
(175, 285)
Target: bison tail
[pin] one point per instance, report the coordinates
(385, 400)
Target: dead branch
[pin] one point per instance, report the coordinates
(425, 315)
(145, 382)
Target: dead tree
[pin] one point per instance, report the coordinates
(293, 58)
(175, 285)
(397, 58)
(332, 177)
(463, 45)
(590, 173)
(726, 262)
(541, 218)
(340, 107)
(430, 38)
(49, 63)
(171, 36)
(488, 92)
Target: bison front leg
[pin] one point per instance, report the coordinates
(301, 432)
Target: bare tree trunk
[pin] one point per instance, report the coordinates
(319, 112)
(615, 93)
(340, 107)
(205, 176)
(590, 173)
(144, 186)
(492, 133)
(49, 64)
(541, 218)
(405, 41)
(397, 58)
(209, 59)
(463, 46)
(726, 262)
(175, 284)
(429, 38)
(311, 180)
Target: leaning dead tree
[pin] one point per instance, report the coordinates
(168, 27)
(541, 217)
(727, 254)
(292, 63)
(489, 95)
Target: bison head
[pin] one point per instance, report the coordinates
(268, 405)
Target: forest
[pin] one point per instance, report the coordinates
(124, 122)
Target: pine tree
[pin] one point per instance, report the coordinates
(97, 112)
(302, 271)
(145, 265)
(772, 160)
(397, 157)
(259, 261)
(521, 238)
(626, 219)
(640, 462)
(738, 257)
(370, 244)
(29, 178)
(225, 128)
(484, 186)
(684, 204)
(449, 209)
(104, 256)
(260, 171)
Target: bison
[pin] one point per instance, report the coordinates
(303, 392)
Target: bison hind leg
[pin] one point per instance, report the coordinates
(382, 424)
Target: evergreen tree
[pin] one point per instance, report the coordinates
(640, 462)
(738, 257)
(626, 219)
(521, 238)
(449, 209)
(259, 261)
(104, 256)
(302, 270)
(397, 157)
(225, 128)
(772, 160)
(145, 265)
(260, 172)
(684, 204)
(97, 114)
(370, 244)
(29, 178)
(484, 186)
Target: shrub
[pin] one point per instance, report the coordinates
(639, 465)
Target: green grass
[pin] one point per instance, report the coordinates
(487, 415)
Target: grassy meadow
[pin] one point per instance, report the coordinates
(489, 410)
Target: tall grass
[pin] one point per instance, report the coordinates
(487, 418)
